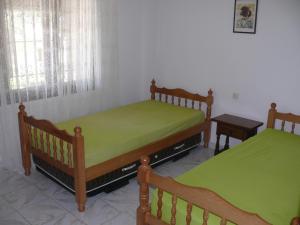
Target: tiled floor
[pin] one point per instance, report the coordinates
(35, 200)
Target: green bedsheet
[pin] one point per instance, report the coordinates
(114, 132)
(260, 175)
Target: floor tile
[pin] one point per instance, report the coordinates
(124, 199)
(67, 200)
(13, 182)
(123, 219)
(26, 196)
(98, 213)
(36, 200)
(66, 219)
(13, 219)
(44, 212)
(5, 208)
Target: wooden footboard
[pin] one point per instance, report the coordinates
(56, 147)
(209, 201)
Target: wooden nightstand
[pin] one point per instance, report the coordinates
(235, 127)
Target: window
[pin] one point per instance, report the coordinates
(26, 44)
(49, 48)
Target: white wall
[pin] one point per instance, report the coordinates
(137, 48)
(130, 42)
(194, 48)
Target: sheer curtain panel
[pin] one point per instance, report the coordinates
(58, 57)
(47, 48)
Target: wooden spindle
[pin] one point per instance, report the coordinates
(223, 221)
(48, 143)
(205, 217)
(179, 101)
(172, 100)
(173, 210)
(61, 150)
(29, 130)
(185, 103)
(189, 213)
(160, 97)
(159, 203)
(293, 128)
(54, 147)
(166, 98)
(36, 144)
(69, 155)
(282, 125)
(42, 140)
(193, 104)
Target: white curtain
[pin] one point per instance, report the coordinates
(60, 59)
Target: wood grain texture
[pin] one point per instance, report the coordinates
(200, 197)
(284, 117)
(74, 165)
(134, 155)
(24, 140)
(295, 221)
(203, 198)
(79, 169)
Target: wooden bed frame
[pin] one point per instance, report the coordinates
(37, 137)
(203, 198)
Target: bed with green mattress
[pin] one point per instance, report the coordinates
(117, 131)
(255, 182)
(258, 176)
(101, 151)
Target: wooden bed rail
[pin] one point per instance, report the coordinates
(284, 117)
(209, 201)
(56, 147)
(185, 99)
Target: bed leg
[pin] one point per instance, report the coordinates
(207, 132)
(24, 142)
(144, 207)
(79, 170)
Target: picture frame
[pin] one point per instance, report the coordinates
(245, 16)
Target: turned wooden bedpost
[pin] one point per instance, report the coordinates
(153, 89)
(271, 116)
(296, 221)
(144, 207)
(207, 132)
(79, 169)
(26, 160)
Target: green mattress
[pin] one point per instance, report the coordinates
(260, 175)
(117, 131)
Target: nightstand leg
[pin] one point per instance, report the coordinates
(217, 145)
(226, 143)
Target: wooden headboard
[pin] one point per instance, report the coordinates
(284, 117)
(182, 97)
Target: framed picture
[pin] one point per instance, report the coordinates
(245, 16)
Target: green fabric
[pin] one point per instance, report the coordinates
(260, 175)
(114, 132)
